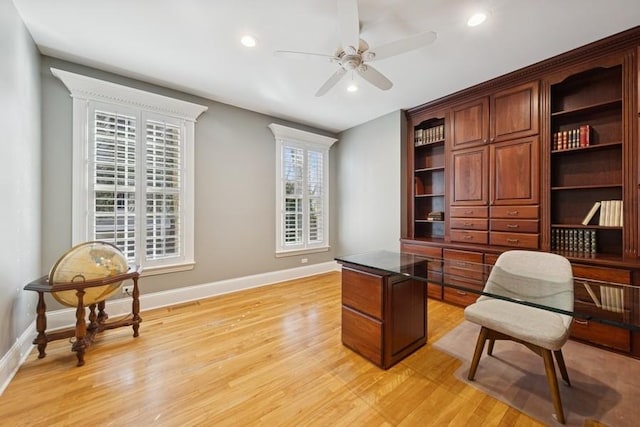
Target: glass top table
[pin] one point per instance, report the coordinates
(609, 303)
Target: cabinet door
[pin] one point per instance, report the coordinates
(469, 176)
(514, 112)
(470, 124)
(514, 172)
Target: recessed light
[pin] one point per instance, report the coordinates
(477, 19)
(248, 41)
(352, 87)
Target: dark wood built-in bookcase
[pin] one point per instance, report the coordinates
(523, 160)
(587, 168)
(429, 178)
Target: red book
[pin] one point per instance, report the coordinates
(585, 130)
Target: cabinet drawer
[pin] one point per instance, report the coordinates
(434, 290)
(362, 291)
(468, 211)
(518, 212)
(463, 264)
(605, 274)
(515, 225)
(469, 223)
(362, 334)
(459, 297)
(481, 237)
(517, 240)
(598, 333)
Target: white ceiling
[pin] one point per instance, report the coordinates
(193, 46)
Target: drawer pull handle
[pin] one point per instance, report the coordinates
(468, 237)
(513, 226)
(513, 240)
(468, 212)
(512, 213)
(581, 322)
(461, 292)
(468, 224)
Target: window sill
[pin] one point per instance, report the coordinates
(164, 269)
(294, 252)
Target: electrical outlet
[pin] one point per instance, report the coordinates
(127, 289)
(304, 260)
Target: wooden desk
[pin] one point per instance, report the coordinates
(384, 316)
(84, 335)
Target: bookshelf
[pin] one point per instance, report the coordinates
(586, 164)
(429, 178)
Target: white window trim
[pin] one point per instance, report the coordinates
(85, 90)
(310, 140)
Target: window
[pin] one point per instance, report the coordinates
(302, 191)
(133, 172)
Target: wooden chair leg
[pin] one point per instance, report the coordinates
(562, 366)
(552, 379)
(490, 347)
(482, 337)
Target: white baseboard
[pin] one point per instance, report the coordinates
(66, 317)
(15, 357)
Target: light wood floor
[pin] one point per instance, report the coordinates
(267, 356)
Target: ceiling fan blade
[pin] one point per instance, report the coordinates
(404, 45)
(333, 80)
(305, 55)
(349, 23)
(374, 77)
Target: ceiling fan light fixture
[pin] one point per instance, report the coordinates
(477, 19)
(248, 40)
(353, 87)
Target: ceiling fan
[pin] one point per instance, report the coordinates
(355, 55)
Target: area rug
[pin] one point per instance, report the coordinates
(605, 386)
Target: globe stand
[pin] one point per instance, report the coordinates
(84, 335)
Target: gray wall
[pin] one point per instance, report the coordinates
(367, 161)
(234, 185)
(20, 181)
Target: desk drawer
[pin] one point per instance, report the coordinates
(362, 291)
(480, 237)
(463, 264)
(362, 334)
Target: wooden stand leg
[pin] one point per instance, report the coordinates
(41, 326)
(93, 324)
(135, 308)
(102, 315)
(81, 329)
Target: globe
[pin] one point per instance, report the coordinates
(86, 262)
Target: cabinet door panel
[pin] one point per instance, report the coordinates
(514, 170)
(470, 124)
(469, 176)
(362, 334)
(514, 112)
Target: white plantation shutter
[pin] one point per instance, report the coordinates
(293, 188)
(113, 201)
(163, 188)
(315, 192)
(302, 197)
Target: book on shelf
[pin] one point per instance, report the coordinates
(435, 216)
(585, 131)
(591, 213)
(611, 213)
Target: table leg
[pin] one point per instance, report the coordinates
(135, 308)
(41, 326)
(81, 329)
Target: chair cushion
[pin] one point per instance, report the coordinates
(540, 327)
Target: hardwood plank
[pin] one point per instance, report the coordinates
(266, 356)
